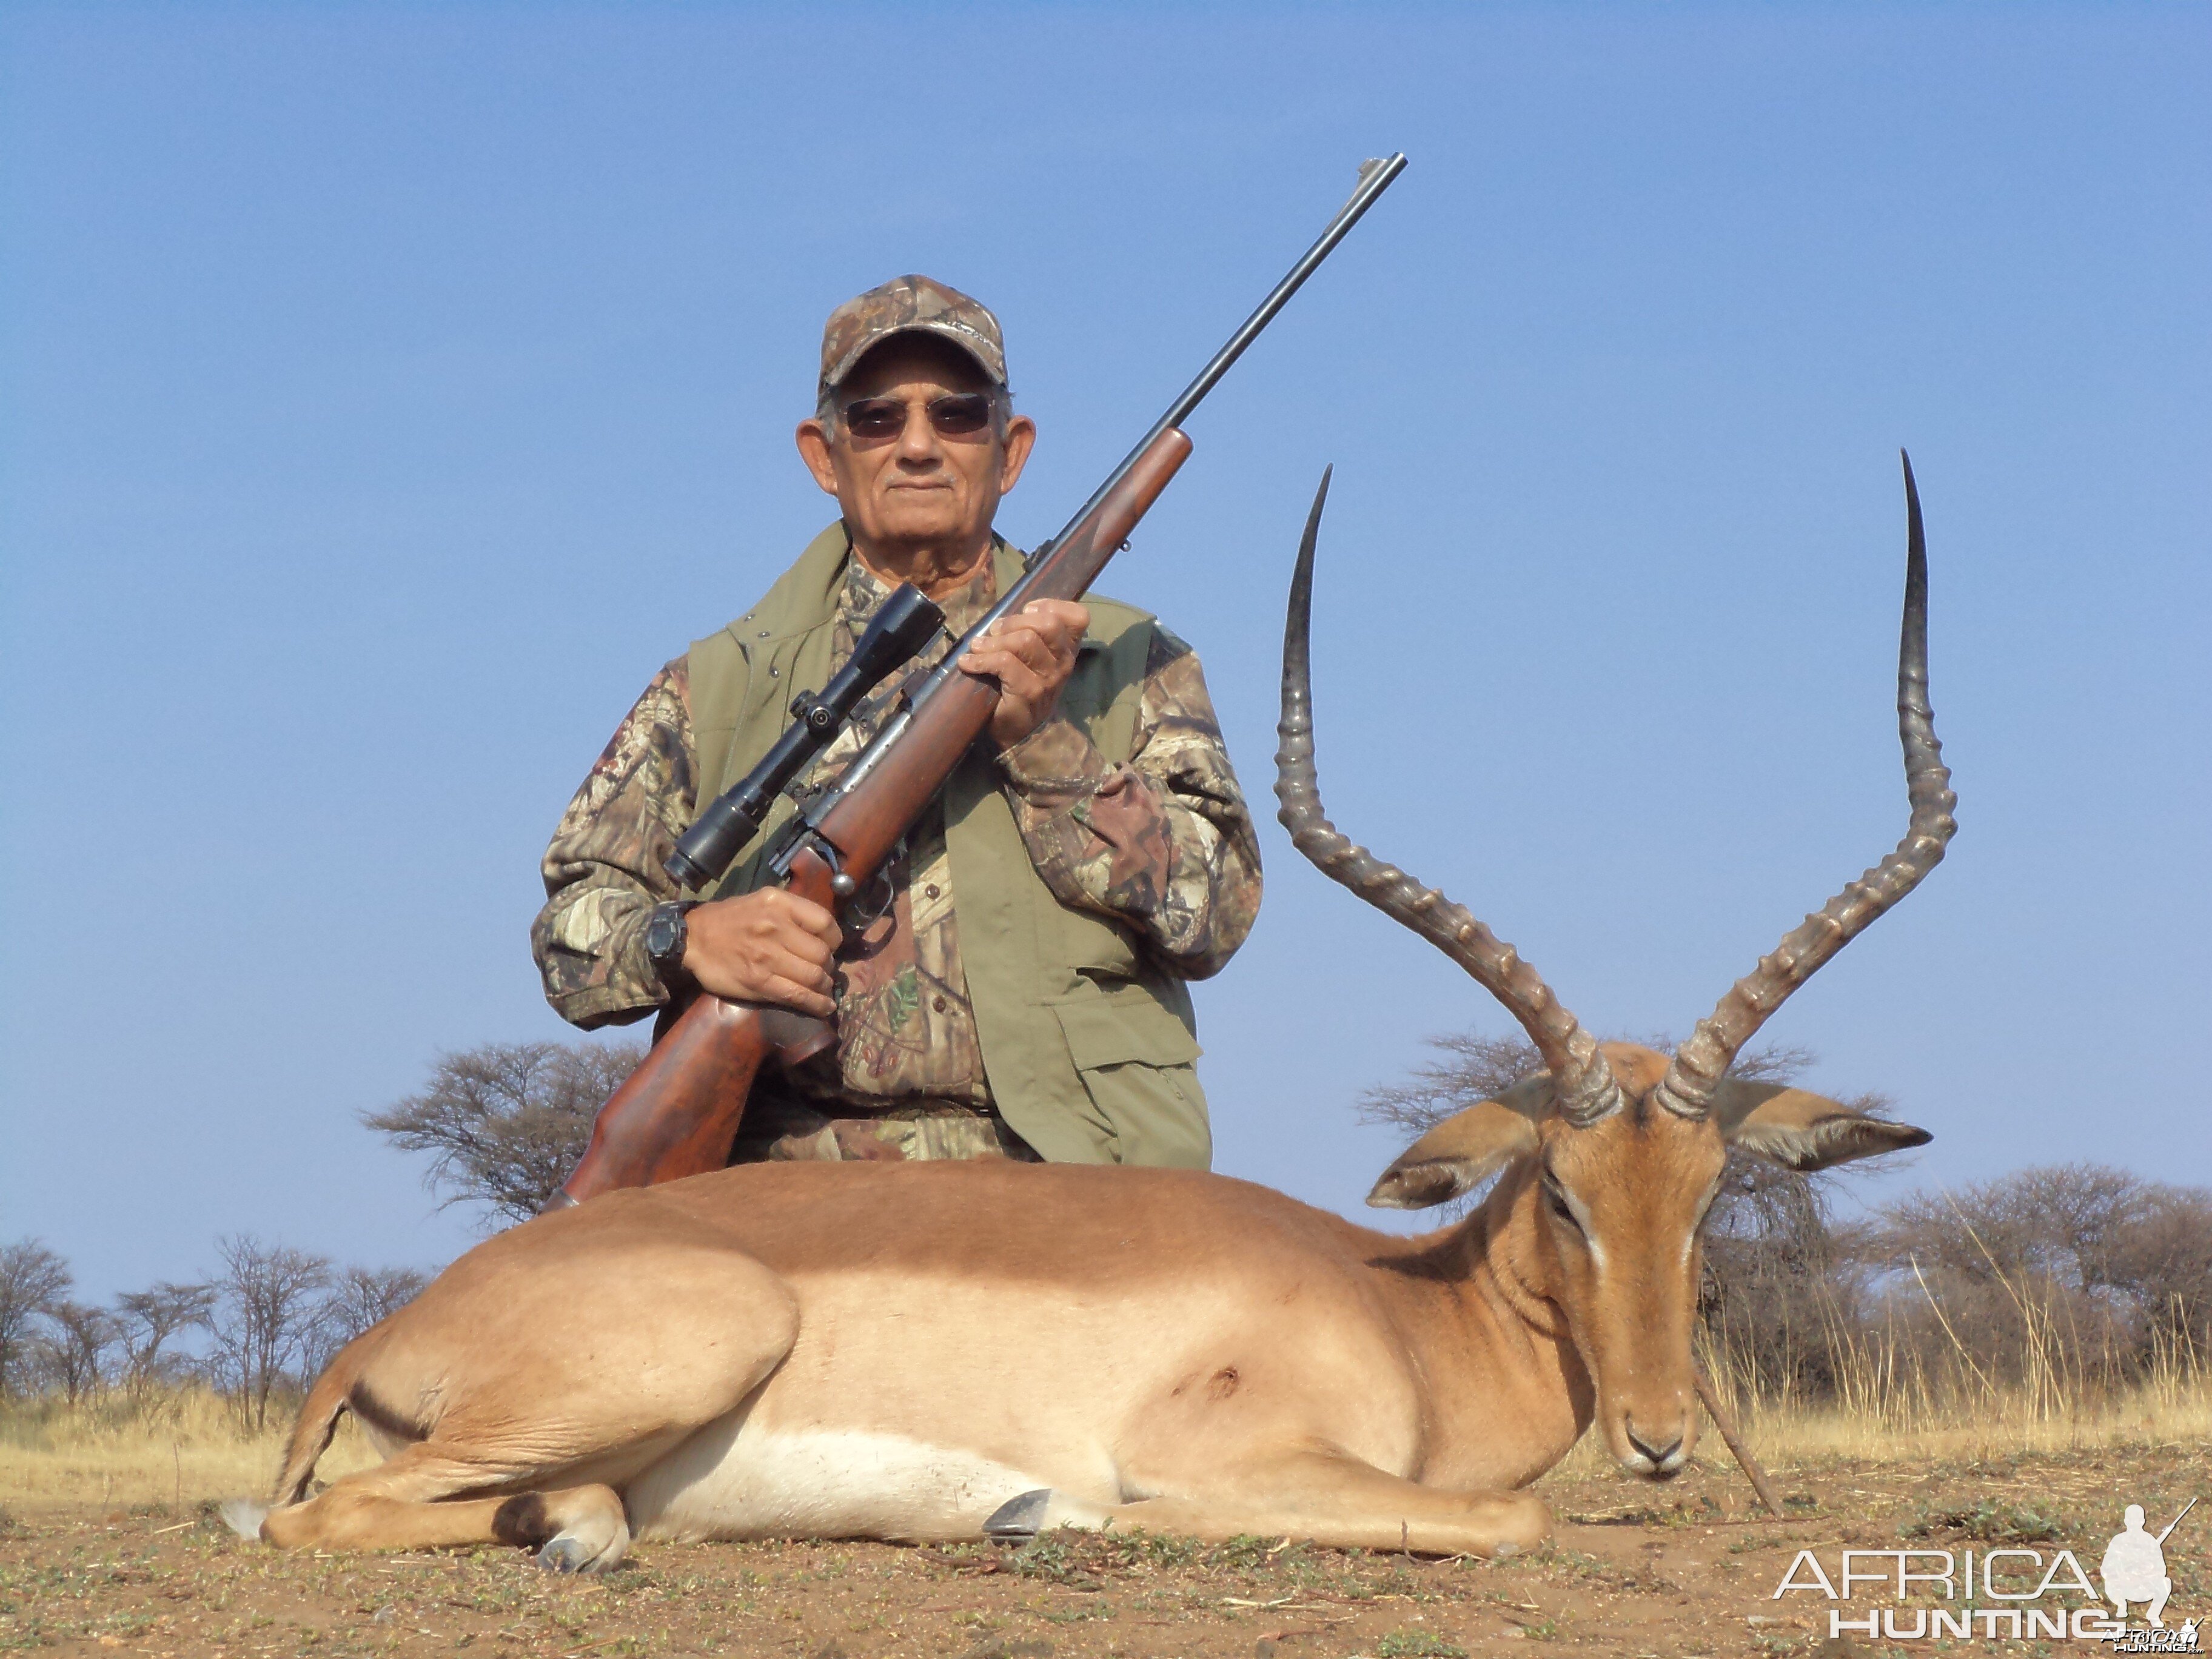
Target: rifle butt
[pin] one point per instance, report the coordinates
(678, 1114)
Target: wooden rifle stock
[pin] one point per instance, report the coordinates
(678, 1112)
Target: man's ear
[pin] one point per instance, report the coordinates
(1465, 1150)
(1799, 1130)
(813, 440)
(1021, 438)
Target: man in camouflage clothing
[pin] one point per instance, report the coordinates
(1135, 866)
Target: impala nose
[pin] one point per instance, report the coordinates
(1663, 1457)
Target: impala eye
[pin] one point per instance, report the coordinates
(1557, 1202)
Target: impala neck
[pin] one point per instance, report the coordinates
(1511, 1248)
(1512, 1394)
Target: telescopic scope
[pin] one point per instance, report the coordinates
(907, 622)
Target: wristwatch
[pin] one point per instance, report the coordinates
(666, 932)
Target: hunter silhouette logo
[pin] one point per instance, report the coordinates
(2133, 1568)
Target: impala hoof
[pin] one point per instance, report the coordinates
(566, 1554)
(569, 1553)
(1016, 1520)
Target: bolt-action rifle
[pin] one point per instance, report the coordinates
(678, 1113)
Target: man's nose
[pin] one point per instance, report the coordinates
(918, 438)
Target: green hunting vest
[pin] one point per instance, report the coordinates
(1089, 1047)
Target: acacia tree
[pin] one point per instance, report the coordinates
(1475, 1068)
(74, 1353)
(504, 1123)
(148, 1320)
(34, 1281)
(2080, 1270)
(268, 1301)
(2163, 1260)
(358, 1297)
(274, 1317)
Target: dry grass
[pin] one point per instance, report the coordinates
(1894, 1410)
(177, 1447)
(1898, 1396)
(1788, 1435)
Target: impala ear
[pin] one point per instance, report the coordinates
(1799, 1130)
(1462, 1152)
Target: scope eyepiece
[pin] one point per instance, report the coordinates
(907, 622)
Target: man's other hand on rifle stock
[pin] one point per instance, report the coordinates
(767, 946)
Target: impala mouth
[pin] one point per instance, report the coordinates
(1651, 1456)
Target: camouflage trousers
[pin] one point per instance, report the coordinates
(783, 1131)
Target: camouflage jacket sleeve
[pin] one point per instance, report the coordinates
(603, 872)
(1165, 843)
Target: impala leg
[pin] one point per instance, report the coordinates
(402, 1505)
(1333, 1500)
(535, 1388)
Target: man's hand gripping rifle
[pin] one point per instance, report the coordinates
(678, 1113)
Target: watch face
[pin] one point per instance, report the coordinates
(663, 934)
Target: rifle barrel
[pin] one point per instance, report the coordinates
(2178, 1519)
(1375, 178)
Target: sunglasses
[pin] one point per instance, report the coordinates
(956, 415)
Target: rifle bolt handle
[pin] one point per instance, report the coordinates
(843, 885)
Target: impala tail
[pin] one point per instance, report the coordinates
(326, 1402)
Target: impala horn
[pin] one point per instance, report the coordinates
(1699, 1064)
(1583, 1084)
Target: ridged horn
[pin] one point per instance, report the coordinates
(1699, 1064)
(1582, 1083)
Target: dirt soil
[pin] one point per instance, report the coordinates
(1670, 1571)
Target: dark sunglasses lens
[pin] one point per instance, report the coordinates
(957, 416)
(875, 417)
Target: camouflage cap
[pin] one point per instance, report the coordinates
(911, 305)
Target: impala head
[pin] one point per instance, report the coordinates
(1602, 1218)
(1608, 1159)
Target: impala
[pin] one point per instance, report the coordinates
(946, 1351)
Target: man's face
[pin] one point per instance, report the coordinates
(899, 457)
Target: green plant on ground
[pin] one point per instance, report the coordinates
(1987, 1522)
(1138, 1549)
(1057, 1561)
(1080, 1612)
(1409, 1643)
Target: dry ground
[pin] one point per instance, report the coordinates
(1683, 1570)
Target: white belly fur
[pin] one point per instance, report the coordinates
(734, 1479)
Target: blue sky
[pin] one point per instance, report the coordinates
(386, 392)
